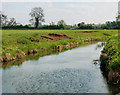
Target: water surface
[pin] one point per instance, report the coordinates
(71, 71)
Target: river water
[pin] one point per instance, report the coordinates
(71, 71)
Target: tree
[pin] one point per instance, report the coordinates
(118, 18)
(74, 26)
(12, 22)
(82, 23)
(3, 19)
(52, 23)
(61, 22)
(37, 16)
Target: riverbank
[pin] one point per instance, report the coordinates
(110, 63)
(19, 62)
(17, 44)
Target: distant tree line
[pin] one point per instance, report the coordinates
(37, 17)
(107, 25)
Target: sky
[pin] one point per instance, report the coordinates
(59, 0)
(71, 12)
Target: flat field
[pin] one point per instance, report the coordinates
(16, 41)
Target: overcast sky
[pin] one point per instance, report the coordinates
(71, 12)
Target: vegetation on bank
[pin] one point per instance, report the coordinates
(112, 50)
(15, 42)
(110, 63)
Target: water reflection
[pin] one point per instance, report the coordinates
(7, 65)
(33, 57)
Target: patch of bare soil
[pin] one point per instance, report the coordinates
(86, 31)
(48, 38)
(55, 37)
(35, 41)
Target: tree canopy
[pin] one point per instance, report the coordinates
(37, 16)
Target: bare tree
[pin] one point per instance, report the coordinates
(37, 16)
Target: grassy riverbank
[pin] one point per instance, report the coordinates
(113, 52)
(16, 43)
(110, 63)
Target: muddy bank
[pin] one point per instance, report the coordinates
(57, 48)
(22, 55)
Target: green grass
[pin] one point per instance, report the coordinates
(112, 49)
(16, 41)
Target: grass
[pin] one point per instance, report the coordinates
(16, 41)
(112, 49)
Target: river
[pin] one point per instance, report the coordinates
(71, 71)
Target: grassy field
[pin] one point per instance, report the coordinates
(17, 41)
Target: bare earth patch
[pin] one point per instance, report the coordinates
(86, 31)
(35, 41)
(55, 37)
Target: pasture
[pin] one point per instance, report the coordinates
(17, 41)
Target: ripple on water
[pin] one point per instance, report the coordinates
(61, 81)
(68, 72)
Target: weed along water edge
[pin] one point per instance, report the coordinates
(72, 71)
